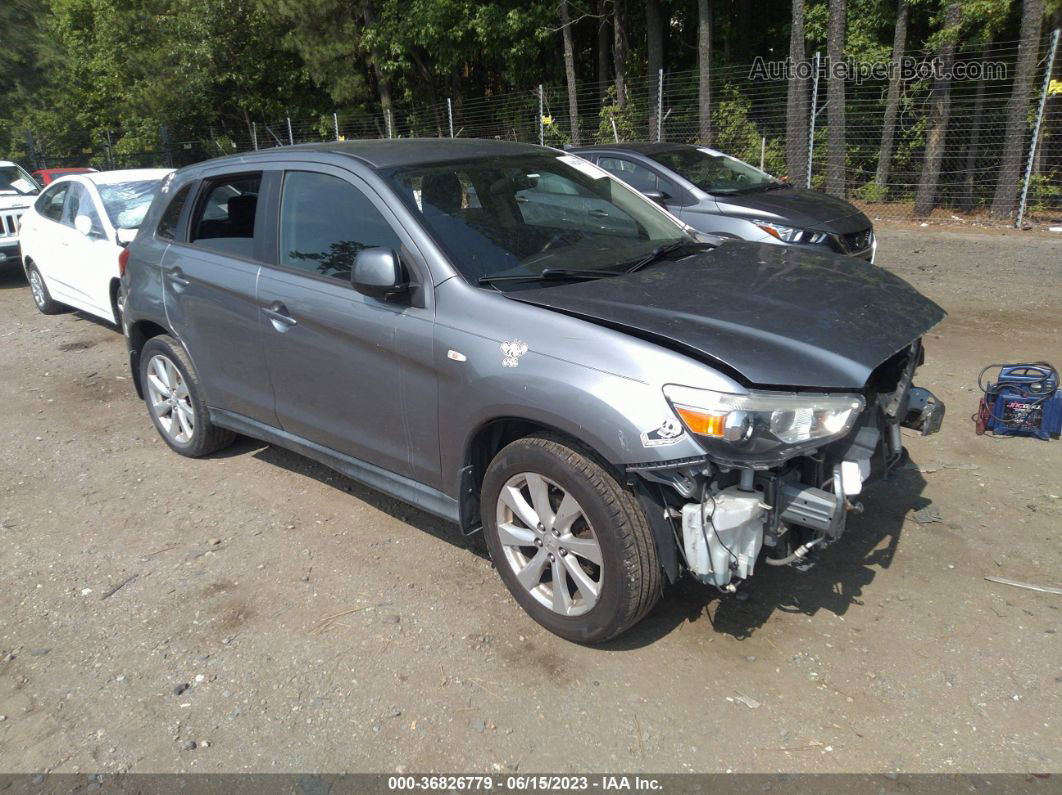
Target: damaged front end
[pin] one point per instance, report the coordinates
(782, 470)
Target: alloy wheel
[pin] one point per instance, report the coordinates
(549, 544)
(37, 288)
(170, 400)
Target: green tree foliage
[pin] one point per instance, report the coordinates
(89, 75)
(737, 135)
(328, 36)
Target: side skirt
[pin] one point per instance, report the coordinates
(398, 486)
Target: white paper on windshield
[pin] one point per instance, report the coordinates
(22, 185)
(584, 166)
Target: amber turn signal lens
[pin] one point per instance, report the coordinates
(701, 422)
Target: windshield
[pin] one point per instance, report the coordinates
(717, 173)
(126, 203)
(15, 181)
(525, 214)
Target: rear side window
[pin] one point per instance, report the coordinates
(74, 200)
(79, 202)
(167, 228)
(50, 204)
(637, 176)
(325, 221)
(225, 217)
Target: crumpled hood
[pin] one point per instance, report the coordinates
(774, 316)
(807, 209)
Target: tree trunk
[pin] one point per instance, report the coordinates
(383, 83)
(742, 30)
(1003, 203)
(939, 115)
(603, 46)
(569, 71)
(973, 139)
(654, 35)
(796, 104)
(892, 103)
(835, 139)
(704, 71)
(619, 50)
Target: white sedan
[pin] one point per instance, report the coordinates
(72, 235)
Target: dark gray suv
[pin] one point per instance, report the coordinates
(507, 337)
(719, 194)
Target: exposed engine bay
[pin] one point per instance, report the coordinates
(727, 516)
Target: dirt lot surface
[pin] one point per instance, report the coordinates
(283, 618)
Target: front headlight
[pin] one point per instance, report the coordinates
(790, 234)
(762, 428)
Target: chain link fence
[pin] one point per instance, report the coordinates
(885, 161)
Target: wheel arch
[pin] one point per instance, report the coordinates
(112, 293)
(491, 436)
(139, 333)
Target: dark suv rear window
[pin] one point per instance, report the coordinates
(224, 219)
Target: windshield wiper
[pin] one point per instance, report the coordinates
(550, 273)
(660, 252)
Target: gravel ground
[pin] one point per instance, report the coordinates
(257, 612)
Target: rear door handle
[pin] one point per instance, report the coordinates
(279, 316)
(599, 213)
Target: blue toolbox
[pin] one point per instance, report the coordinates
(1023, 401)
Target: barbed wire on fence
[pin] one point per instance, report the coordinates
(748, 120)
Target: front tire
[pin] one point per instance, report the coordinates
(569, 541)
(174, 400)
(39, 290)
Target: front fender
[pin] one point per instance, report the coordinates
(596, 385)
(615, 416)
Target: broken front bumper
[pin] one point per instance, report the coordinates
(724, 534)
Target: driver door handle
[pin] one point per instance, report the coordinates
(278, 314)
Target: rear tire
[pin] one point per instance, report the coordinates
(42, 299)
(570, 542)
(174, 400)
(118, 307)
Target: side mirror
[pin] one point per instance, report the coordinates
(83, 224)
(378, 273)
(124, 236)
(656, 195)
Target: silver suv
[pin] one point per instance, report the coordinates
(508, 337)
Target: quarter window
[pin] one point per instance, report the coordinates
(225, 218)
(325, 221)
(167, 228)
(50, 204)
